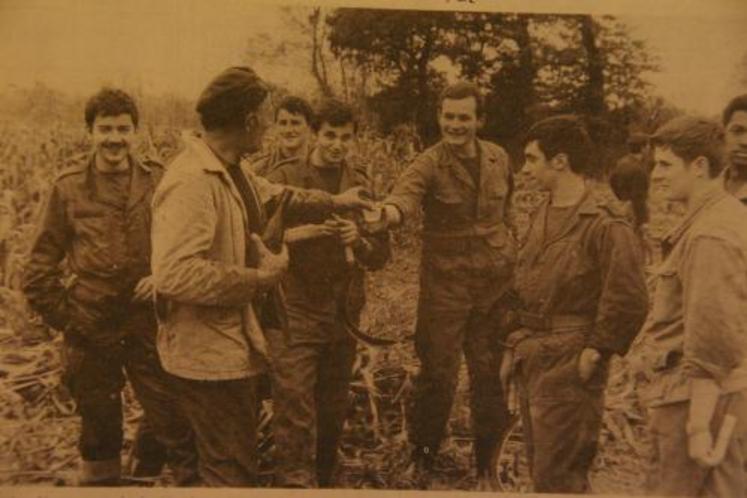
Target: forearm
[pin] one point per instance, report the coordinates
(206, 282)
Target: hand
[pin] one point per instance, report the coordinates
(352, 198)
(347, 230)
(700, 448)
(307, 232)
(270, 266)
(588, 362)
(507, 367)
(144, 289)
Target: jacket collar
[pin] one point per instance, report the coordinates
(140, 183)
(696, 207)
(211, 163)
(487, 157)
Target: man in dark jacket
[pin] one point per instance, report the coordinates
(580, 280)
(97, 218)
(324, 288)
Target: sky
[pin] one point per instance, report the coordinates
(178, 45)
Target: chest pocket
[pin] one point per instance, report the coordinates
(667, 305)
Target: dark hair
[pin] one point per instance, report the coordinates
(230, 97)
(296, 105)
(636, 142)
(692, 137)
(564, 134)
(629, 181)
(110, 102)
(463, 90)
(738, 103)
(335, 113)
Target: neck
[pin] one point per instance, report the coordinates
(568, 190)
(288, 152)
(107, 167)
(466, 151)
(318, 161)
(703, 190)
(223, 147)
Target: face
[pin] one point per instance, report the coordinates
(458, 121)
(736, 139)
(538, 166)
(113, 137)
(293, 130)
(673, 175)
(256, 125)
(334, 142)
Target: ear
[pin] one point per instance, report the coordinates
(251, 121)
(700, 166)
(560, 162)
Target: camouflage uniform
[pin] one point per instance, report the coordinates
(313, 358)
(467, 262)
(581, 283)
(105, 239)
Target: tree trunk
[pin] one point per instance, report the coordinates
(318, 67)
(594, 94)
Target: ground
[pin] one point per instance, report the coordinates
(38, 427)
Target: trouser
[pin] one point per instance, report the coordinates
(223, 417)
(95, 376)
(673, 473)
(440, 338)
(310, 389)
(561, 415)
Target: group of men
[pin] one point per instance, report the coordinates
(197, 279)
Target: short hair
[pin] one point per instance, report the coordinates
(226, 101)
(296, 105)
(463, 90)
(335, 113)
(110, 102)
(564, 134)
(692, 137)
(738, 103)
(636, 142)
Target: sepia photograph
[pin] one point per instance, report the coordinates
(417, 248)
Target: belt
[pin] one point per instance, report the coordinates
(552, 322)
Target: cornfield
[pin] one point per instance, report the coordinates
(38, 427)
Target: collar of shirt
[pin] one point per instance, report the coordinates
(696, 206)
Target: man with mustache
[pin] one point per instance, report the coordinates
(462, 185)
(97, 217)
(293, 121)
(324, 289)
(698, 321)
(735, 124)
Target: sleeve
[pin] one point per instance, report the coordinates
(184, 227)
(623, 303)
(42, 278)
(410, 188)
(303, 203)
(713, 308)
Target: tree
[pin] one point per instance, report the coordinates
(399, 47)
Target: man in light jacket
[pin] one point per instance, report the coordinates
(212, 270)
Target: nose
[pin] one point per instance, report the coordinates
(657, 173)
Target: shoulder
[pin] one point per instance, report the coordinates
(285, 168)
(492, 149)
(724, 220)
(74, 166)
